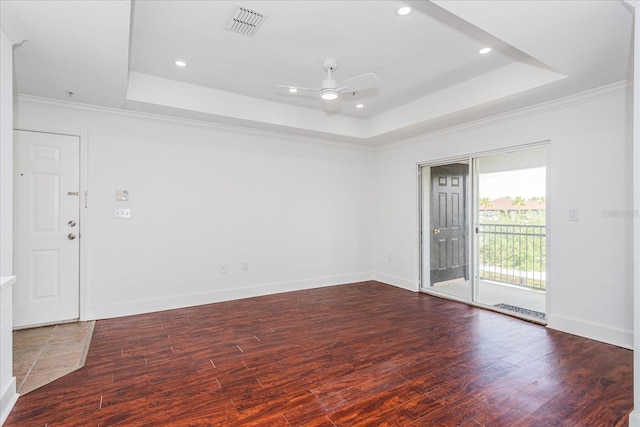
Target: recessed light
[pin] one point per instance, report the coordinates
(181, 63)
(293, 90)
(359, 105)
(404, 10)
(484, 50)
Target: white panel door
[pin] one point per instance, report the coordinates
(47, 228)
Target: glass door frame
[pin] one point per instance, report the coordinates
(472, 200)
(424, 225)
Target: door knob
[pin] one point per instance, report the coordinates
(71, 223)
(71, 236)
(436, 231)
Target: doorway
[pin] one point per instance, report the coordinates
(47, 228)
(484, 231)
(511, 231)
(445, 229)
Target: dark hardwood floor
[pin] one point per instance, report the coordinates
(359, 354)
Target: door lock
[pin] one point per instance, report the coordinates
(71, 236)
(436, 231)
(71, 223)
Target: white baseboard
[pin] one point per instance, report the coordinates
(634, 418)
(594, 331)
(399, 282)
(151, 305)
(8, 400)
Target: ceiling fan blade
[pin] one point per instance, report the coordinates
(308, 89)
(358, 83)
(332, 106)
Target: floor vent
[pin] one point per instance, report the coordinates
(520, 310)
(245, 21)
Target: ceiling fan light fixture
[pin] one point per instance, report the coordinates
(329, 95)
(330, 89)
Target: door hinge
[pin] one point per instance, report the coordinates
(86, 196)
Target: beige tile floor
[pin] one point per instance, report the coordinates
(42, 355)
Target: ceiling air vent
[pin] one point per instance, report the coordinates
(245, 21)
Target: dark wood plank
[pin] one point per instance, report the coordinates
(362, 354)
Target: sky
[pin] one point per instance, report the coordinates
(526, 183)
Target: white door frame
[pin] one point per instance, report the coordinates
(424, 239)
(84, 196)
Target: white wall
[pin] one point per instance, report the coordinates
(8, 395)
(6, 157)
(296, 211)
(590, 261)
(634, 418)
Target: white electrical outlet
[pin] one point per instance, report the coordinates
(122, 213)
(222, 268)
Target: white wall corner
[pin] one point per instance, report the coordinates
(8, 400)
(8, 396)
(634, 418)
(591, 330)
(10, 24)
(6, 156)
(399, 282)
(151, 305)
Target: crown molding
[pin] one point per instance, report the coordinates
(614, 89)
(607, 91)
(631, 5)
(66, 105)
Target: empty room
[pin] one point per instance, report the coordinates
(319, 213)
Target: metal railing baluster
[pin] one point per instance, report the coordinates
(504, 258)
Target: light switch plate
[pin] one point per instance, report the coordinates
(574, 215)
(122, 213)
(122, 195)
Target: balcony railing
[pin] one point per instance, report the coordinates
(514, 254)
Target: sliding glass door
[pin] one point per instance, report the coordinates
(484, 231)
(511, 232)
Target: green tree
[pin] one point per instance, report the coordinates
(519, 201)
(485, 203)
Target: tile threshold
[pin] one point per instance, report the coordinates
(45, 354)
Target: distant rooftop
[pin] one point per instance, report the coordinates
(507, 204)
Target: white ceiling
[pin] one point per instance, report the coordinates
(121, 54)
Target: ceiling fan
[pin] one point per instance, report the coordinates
(330, 90)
